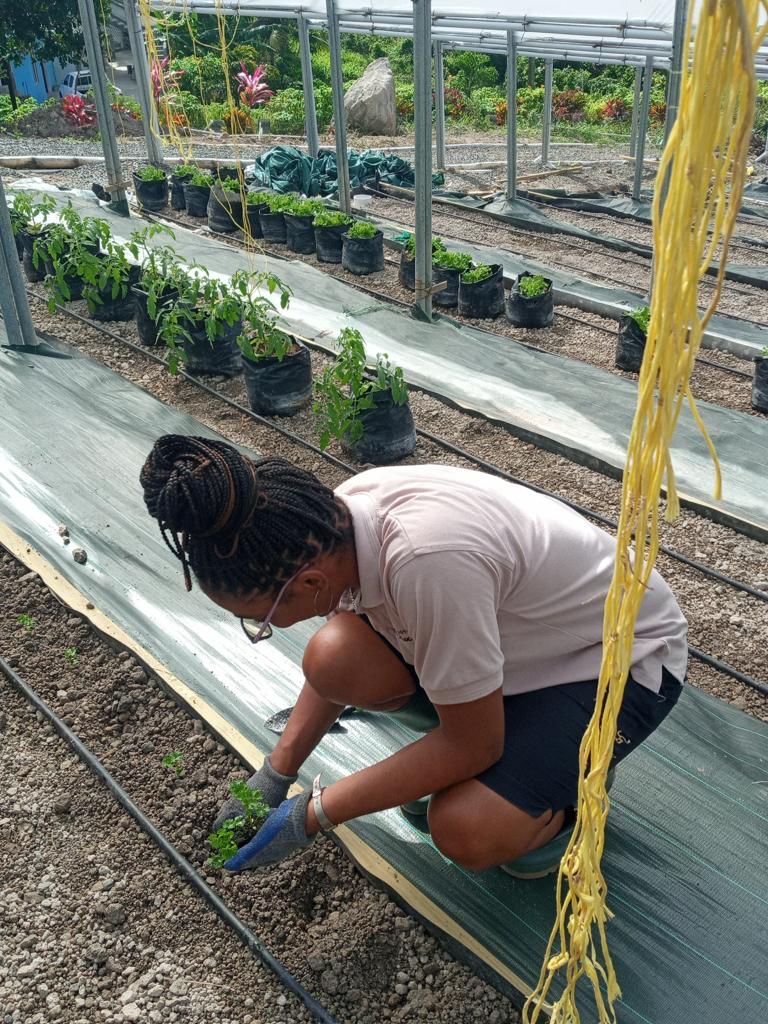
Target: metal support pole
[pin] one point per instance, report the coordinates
(642, 128)
(339, 119)
(511, 115)
(143, 81)
(679, 49)
(422, 79)
(439, 107)
(546, 128)
(13, 296)
(635, 110)
(115, 183)
(310, 113)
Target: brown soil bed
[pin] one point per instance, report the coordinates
(49, 122)
(91, 912)
(725, 623)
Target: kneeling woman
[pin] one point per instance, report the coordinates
(439, 583)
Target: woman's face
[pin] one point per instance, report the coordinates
(306, 597)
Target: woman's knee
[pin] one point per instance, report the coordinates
(326, 656)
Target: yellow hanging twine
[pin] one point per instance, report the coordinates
(705, 160)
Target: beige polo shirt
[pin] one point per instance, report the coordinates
(481, 584)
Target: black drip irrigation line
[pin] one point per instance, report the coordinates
(182, 865)
(721, 666)
(475, 460)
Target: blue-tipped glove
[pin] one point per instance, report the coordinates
(284, 832)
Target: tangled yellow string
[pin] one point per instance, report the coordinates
(705, 163)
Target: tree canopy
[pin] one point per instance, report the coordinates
(45, 29)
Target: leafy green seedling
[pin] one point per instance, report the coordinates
(150, 173)
(27, 622)
(461, 261)
(235, 832)
(477, 274)
(174, 762)
(438, 245)
(362, 229)
(764, 351)
(532, 287)
(642, 317)
(331, 219)
(71, 655)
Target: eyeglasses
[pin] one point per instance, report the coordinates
(260, 629)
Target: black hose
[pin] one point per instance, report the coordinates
(474, 459)
(181, 864)
(721, 666)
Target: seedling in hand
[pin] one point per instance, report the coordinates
(173, 762)
(234, 833)
(71, 655)
(27, 622)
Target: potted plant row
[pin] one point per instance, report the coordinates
(151, 186)
(446, 267)
(29, 222)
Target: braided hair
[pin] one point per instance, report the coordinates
(239, 525)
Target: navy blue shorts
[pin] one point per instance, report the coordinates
(543, 729)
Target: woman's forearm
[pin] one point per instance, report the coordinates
(310, 720)
(432, 763)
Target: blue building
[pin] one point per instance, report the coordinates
(38, 79)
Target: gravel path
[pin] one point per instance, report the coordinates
(96, 926)
(726, 623)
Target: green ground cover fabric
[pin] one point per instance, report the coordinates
(687, 843)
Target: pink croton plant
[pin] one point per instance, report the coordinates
(163, 80)
(253, 92)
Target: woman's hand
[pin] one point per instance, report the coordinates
(284, 832)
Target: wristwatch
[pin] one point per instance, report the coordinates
(325, 823)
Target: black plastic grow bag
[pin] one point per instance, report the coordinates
(151, 195)
(272, 227)
(630, 345)
(279, 388)
(538, 311)
(483, 300)
(448, 296)
(121, 308)
(406, 273)
(178, 202)
(196, 198)
(253, 217)
(299, 233)
(147, 327)
(225, 210)
(388, 432)
(328, 242)
(362, 255)
(760, 384)
(222, 357)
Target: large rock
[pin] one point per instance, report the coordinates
(370, 102)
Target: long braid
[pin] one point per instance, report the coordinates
(238, 525)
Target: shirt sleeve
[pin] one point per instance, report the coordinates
(448, 602)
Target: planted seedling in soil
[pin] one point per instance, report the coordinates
(204, 303)
(258, 198)
(160, 265)
(438, 246)
(24, 210)
(200, 178)
(460, 261)
(261, 337)
(330, 219)
(115, 274)
(27, 622)
(227, 840)
(305, 207)
(71, 655)
(72, 247)
(363, 229)
(343, 392)
(477, 274)
(280, 203)
(174, 763)
(150, 173)
(531, 287)
(642, 317)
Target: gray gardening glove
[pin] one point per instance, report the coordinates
(272, 785)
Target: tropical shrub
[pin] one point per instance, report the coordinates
(190, 105)
(569, 105)
(9, 116)
(616, 109)
(530, 101)
(239, 121)
(253, 89)
(323, 106)
(455, 102)
(285, 112)
(404, 100)
(482, 104)
(468, 71)
(203, 76)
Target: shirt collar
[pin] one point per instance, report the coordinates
(362, 509)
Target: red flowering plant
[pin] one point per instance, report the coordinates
(568, 105)
(78, 112)
(163, 80)
(253, 91)
(455, 102)
(616, 109)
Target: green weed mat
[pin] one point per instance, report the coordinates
(543, 398)
(687, 840)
